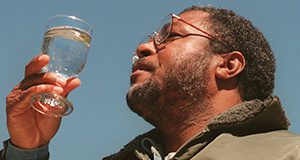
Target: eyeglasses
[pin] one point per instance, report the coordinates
(164, 30)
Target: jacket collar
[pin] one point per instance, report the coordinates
(249, 117)
(252, 116)
(246, 118)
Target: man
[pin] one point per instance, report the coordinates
(204, 79)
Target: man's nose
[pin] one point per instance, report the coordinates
(146, 49)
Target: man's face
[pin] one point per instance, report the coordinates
(172, 74)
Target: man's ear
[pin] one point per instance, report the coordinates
(231, 65)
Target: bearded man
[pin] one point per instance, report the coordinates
(204, 79)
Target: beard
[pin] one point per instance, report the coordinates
(175, 96)
(143, 95)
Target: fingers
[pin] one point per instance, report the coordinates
(52, 79)
(71, 84)
(33, 76)
(36, 82)
(26, 95)
(43, 88)
(36, 64)
(47, 84)
(21, 99)
(45, 78)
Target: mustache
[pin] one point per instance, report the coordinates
(142, 64)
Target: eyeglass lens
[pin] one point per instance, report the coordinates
(163, 30)
(159, 36)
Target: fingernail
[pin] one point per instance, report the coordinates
(61, 81)
(42, 58)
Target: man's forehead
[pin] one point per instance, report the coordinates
(194, 15)
(197, 18)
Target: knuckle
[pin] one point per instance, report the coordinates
(27, 66)
(14, 96)
(7, 98)
(40, 87)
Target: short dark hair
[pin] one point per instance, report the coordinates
(257, 79)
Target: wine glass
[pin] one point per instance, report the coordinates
(66, 40)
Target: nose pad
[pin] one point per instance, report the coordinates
(135, 57)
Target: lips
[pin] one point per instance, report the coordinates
(141, 71)
(144, 66)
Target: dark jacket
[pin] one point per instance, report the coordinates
(252, 130)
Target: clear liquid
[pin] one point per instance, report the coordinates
(68, 48)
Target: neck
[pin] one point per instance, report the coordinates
(175, 137)
(177, 133)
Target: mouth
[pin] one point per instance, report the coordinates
(141, 71)
(143, 66)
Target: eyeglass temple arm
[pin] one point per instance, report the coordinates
(174, 15)
(208, 34)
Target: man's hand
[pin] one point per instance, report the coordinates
(29, 129)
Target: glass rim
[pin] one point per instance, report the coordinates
(90, 28)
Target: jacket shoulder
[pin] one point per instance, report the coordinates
(280, 144)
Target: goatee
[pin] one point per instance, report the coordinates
(172, 97)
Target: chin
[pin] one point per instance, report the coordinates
(143, 96)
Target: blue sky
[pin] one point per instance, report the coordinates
(102, 123)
